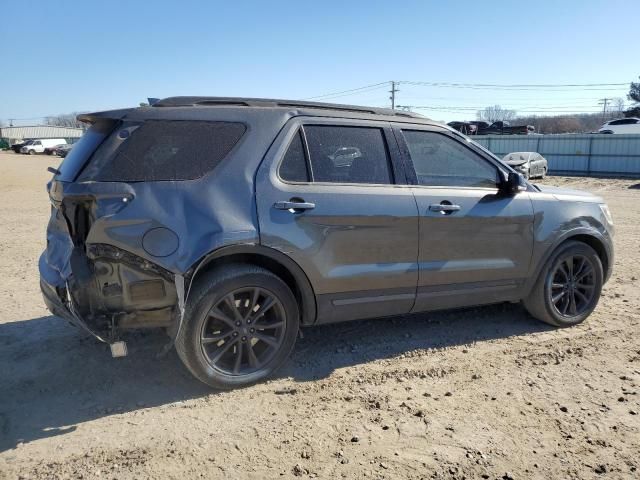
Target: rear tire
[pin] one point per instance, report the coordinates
(569, 286)
(544, 173)
(240, 325)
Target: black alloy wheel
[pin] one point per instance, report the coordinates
(572, 286)
(243, 331)
(240, 325)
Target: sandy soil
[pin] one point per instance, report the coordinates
(478, 393)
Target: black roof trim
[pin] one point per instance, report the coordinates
(266, 102)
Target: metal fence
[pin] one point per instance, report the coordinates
(589, 154)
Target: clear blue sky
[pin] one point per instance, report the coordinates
(63, 56)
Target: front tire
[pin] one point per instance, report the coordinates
(569, 286)
(240, 325)
(32, 152)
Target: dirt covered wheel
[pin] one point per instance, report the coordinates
(569, 286)
(240, 325)
(544, 173)
(32, 152)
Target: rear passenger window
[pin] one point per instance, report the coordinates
(442, 161)
(294, 164)
(348, 154)
(163, 150)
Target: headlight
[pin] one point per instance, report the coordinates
(606, 213)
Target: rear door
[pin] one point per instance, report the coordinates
(327, 196)
(475, 243)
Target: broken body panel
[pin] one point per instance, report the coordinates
(115, 250)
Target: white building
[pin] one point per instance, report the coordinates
(17, 134)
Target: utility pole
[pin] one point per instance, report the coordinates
(393, 92)
(604, 102)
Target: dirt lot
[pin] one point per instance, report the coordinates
(477, 393)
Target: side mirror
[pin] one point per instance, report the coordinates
(513, 184)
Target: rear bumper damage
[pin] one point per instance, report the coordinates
(103, 290)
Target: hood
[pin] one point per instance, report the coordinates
(516, 158)
(515, 162)
(569, 194)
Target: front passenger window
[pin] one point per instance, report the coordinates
(442, 161)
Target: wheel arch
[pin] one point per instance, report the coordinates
(590, 237)
(276, 262)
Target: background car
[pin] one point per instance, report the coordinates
(530, 164)
(63, 150)
(621, 125)
(17, 146)
(39, 145)
(52, 149)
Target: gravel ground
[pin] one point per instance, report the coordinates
(475, 393)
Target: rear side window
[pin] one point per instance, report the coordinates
(82, 150)
(348, 154)
(294, 164)
(161, 150)
(439, 160)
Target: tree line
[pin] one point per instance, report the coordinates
(570, 123)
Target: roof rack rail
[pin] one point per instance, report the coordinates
(266, 102)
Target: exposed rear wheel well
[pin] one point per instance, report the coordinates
(304, 295)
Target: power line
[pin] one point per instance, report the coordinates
(604, 102)
(346, 91)
(393, 92)
(515, 85)
(331, 97)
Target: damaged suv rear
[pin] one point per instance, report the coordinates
(232, 222)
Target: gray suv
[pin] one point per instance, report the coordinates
(232, 222)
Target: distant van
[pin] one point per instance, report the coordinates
(39, 144)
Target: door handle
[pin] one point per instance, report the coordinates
(444, 208)
(282, 205)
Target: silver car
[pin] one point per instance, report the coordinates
(530, 164)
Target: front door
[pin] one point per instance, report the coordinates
(475, 242)
(327, 197)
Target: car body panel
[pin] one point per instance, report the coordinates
(358, 245)
(476, 254)
(126, 253)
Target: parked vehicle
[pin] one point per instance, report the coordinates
(227, 222)
(17, 146)
(505, 128)
(52, 150)
(529, 164)
(4, 145)
(464, 127)
(479, 124)
(469, 128)
(621, 125)
(63, 150)
(38, 145)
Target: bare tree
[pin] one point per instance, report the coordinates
(634, 95)
(618, 106)
(495, 113)
(64, 120)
